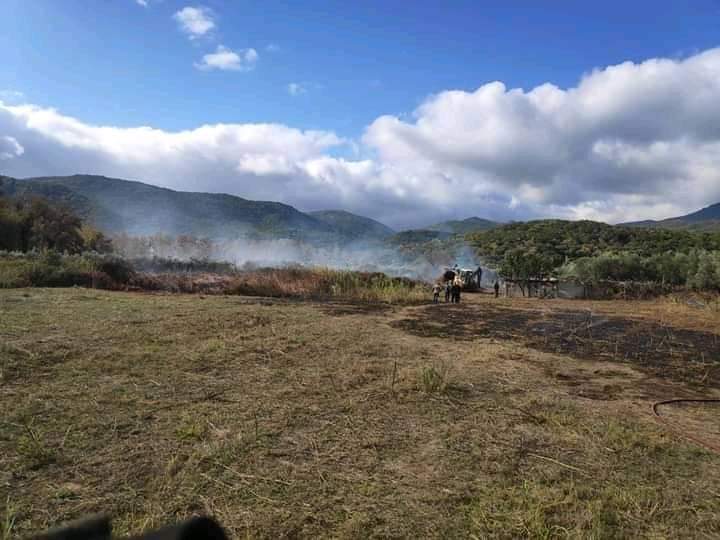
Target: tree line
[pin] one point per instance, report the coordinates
(33, 224)
(592, 252)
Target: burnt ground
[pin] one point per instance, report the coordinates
(653, 346)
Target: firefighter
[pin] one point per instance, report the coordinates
(456, 293)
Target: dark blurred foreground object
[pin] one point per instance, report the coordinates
(99, 528)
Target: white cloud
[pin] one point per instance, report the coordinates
(299, 88)
(228, 60)
(10, 148)
(196, 22)
(11, 96)
(631, 141)
(621, 144)
(295, 89)
(143, 3)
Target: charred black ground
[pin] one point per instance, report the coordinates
(661, 349)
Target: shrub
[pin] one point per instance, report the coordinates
(433, 380)
(117, 269)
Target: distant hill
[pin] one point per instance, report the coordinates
(352, 226)
(417, 236)
(115, 205)
(450, 231)
(707, 219)
(464, 226)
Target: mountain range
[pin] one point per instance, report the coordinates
(123, 206)
(706, 219)
(135, 208)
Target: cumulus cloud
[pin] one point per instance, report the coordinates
(622, 143)
(631, 141)
(10, 148)
(228, 60)
(196, 22)
(295, 89)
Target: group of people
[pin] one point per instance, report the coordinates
(452, 292)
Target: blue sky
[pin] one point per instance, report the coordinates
(118, 63)
(115, 62)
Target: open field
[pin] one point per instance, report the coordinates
(296, 419)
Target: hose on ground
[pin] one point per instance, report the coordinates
(697, 440)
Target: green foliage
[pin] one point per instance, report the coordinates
(35, 224)
(594, 252)
(117, 269)
(52, 269)
(704, 271)
(464, 226)
(697, 270)
(519, 265)
(417, 236)
(563, 241)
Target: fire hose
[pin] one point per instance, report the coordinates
(697, 440)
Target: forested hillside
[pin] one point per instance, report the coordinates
(464, 226)
(352, 226)
(561, 241)
(113, 205)
(593, 252)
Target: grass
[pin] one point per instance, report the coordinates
(8, 521)
(323, 283)
(33, 449)
(106, 272)
(615, 481)
(328, 420)
(434, 379)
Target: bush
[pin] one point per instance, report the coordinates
(698, 270)
(117, 269)
(51, 269)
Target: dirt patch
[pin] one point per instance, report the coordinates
(343, 309)
(680, 354)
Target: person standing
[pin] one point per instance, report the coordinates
(455, 293)
(497, 288)
(448, 290)
(436, 293)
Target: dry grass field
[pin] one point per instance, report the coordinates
(298, 419)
